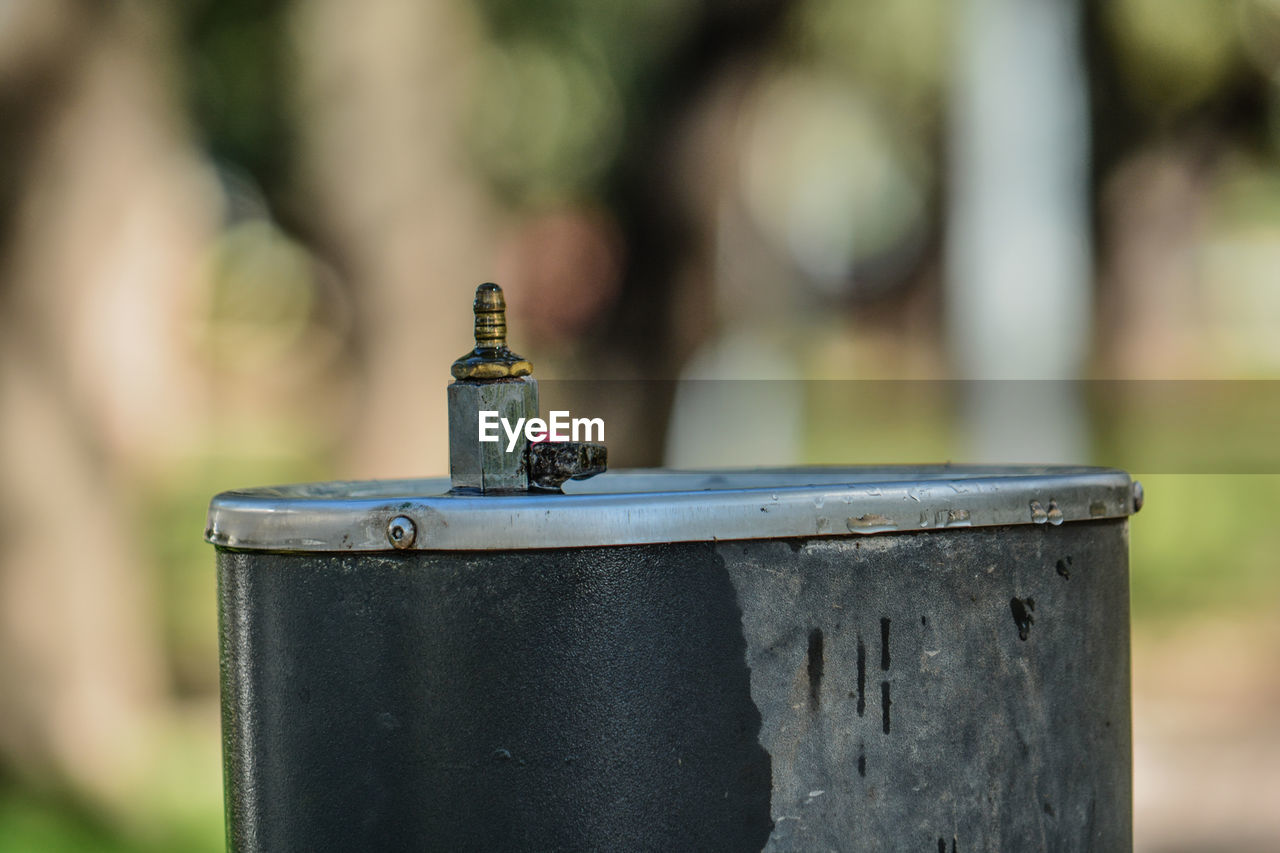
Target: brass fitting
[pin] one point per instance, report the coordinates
(493, 380)
(491, 359)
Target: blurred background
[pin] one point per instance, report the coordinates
(239, 240)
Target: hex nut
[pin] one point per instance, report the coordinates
(488, 466)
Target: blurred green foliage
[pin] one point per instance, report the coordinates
(172, 514)
(863, 41)
(235, 62)
(1205, 545)
(177, 807)
(51, 825)
(562, 85)
(1173, 62)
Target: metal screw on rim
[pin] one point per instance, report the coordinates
(401, 532)
(1139, 496)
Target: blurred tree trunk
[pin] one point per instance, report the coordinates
(104, 214)
(1019, 260)
(382, 97)
(685, 128)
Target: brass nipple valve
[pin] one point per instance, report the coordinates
(491, 382)
(491, 359)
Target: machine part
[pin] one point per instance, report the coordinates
(491, 378)
(553, 463)
(640, 507)
(1139, 496)
(491, 359)
(863, 693)
(478, 466)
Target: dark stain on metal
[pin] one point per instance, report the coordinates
(942, 845)
(1021, 609)
(1064, 567)
(884, 705)
(862, 677)
(884, 644)
(815, 667)
(862, 764)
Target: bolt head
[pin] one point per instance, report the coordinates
(401, 532)
(1139, 496)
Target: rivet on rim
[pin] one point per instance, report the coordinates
(1139, 497)
(401, 532)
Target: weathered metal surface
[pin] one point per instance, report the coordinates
(488, 466)
(959, 689)
(642, 507)
(491, 378)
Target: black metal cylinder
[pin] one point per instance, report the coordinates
(933, 686)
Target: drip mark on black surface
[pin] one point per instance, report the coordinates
(884, 705)
(815, 666)
(1064, 568)
(884, 644)
(862, 677)
(1021, 609)
(862, 764)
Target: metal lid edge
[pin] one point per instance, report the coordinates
(266, 520)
